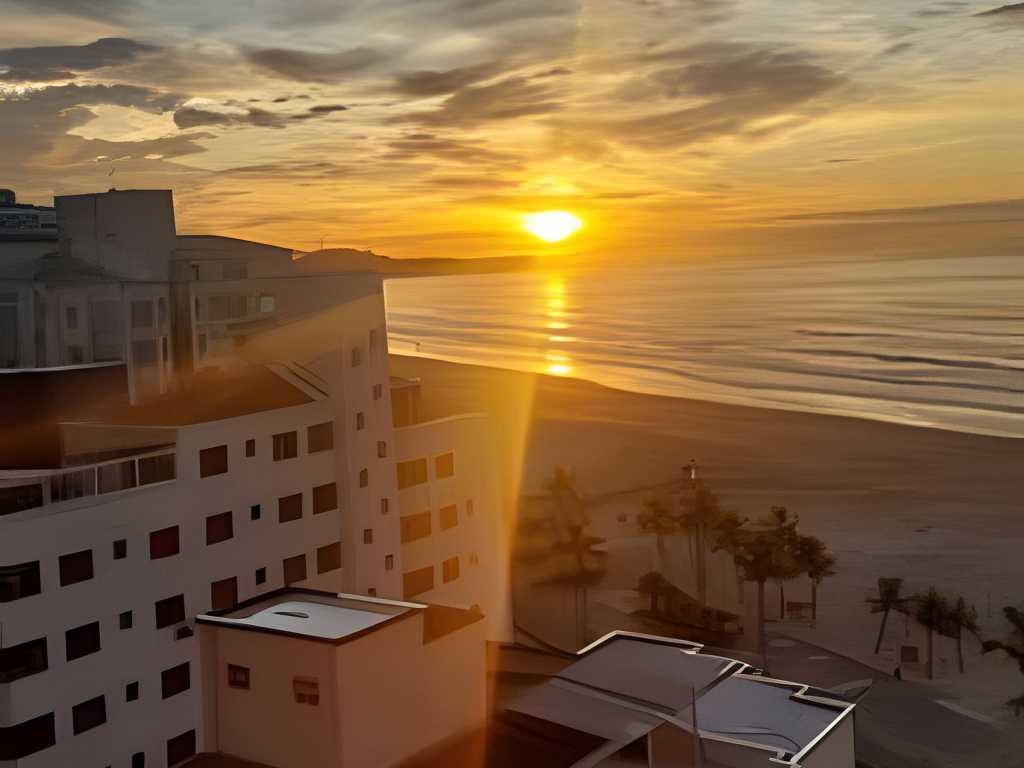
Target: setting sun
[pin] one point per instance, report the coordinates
(552, 226)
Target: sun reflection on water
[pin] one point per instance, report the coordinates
(556, 315)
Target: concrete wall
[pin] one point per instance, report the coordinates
(836, 750)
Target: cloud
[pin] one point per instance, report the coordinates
(1013, 11)
(56, 62)
(426, 82)
(989, 211)
(308, 67)
(506, 99)
(89, 9)
(414, 146)
(193, 117)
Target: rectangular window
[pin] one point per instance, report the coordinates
(124, 620)
(175, 680)
(364, 477)
(107, 326)
(360, 420)
(82, 641)
(267, 303)
(389, 562)
(142, 314)
(27, 738)
(250, 448)
(219, 528)
(385, 506)
(164, 543)
(15, 498)
(320, 437)
(118, 476)
(325, 498)
(227, 307)
(170, 610)
(450, 569)
(18, 581)
(88, 715)
(139, 758)
(161, 312)
(328, 558)
(469, 507)
(444, 465)
(22, 660)
(289, 508)
(261, 575)
(181, 748)
(382, 449)
(357, 356)
(156, 469)
(372, 341)
(414, 527)
(286, 446)
(71, 318)
(367, 535)
(213, 461)
(120, 549)
(254, 512)
(238, 677)
(417, 582)
(294, 569)
(131, 691)
(449, 517)
(235, 270)
(378, 391)
(307, 690)
(224, 594)
(75, 567)
(411, 473)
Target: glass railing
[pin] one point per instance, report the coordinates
(113, 476)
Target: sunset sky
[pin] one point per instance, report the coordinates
(430, 127)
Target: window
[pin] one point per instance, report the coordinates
(254, 512)
(116, 477)
(238, 677)
(170, 610)
(219, 528)
(131, 692)
(307, 690)
(213, 461)
(120, 549)
(142, 314)
(473, 559)
(294, 569)
(22, 660)
(367, 535)
(18, 581)
(286, 446)
(449, 517)
(328, 558)
(372, 344)
(325, 498)
(227, 307)
(181, 747)
(139, 758)
(360, 420)
(413, 527)
(378, 391)
(19, 497)
(364, 477)
(389, 562)
(76, 355)
(450, 569)
(224, 594)
(371, 592)
(27, 738)
(195, 271)
(161, 311)
(144, 352)
(357, 356)
(320, 437)
(164, 543)
(261, 575)
(417, 582)
(250, 448)
(382, 449)
(385, 506)
(71, 318)
(469, 507)
(75, 567)
(124, 620)
(289, 508)
(175, 680)
(81, 641)
(88, 715)
(235, 270)
(411, 473)
(444, 465)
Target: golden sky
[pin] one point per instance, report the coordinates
(430, 127)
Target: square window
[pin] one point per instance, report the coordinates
(449, 517)
(267, 303)
(131, 692)
(286, 446)
(261, 575)
(250, 448)
(139, 758)
(412, 472)
(367, 535)
(320, 437)
(294, 569)
(444, 465)
(413, 527)
(450, 569)
(389, 562)
(328, 558)
(219, 528)
(75, 567)
(224, 594)
(164, 543)
(289, 508)
(170, 610)
(325, 498)
(364, 477)
(307, 690)
(382, 449)
(181, 747)
(175, 680)
(213, 461)
(88, 715)
(238, 677)
(120, 549)
(360, 420)
(254, 512)
(81, 641)
(124, 620)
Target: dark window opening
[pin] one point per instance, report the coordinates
(131, 692)
(224, 594)
(254, 512)
(20, 497)
(22, 660)
(219, 528)
(170, 610)
(81, 641)
(75, 567)
(164, 543)
(238, 677)
(120, 549)
(320, 437)
(261, 575)
(27, 738)
(18, 581)
(125, 620)
(250, 448)
(286, 446)
(181, 747)
(294, 569)
(213, 461)
(175, 680)
(328, 558)
(88, 715)
(325, 498)
(289, 508)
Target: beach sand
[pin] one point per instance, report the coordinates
(933, 507)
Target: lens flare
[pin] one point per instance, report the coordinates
(552, 226)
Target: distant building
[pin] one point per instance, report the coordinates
(19, 221)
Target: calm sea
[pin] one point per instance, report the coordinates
(926, 341)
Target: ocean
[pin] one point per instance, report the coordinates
(927, 341)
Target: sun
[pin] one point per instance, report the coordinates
(552, 226)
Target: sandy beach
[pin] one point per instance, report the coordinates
(933, 507)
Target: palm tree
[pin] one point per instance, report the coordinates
(931, 611)
(787, 562)
(700, 512)
(889, 598)
(656, 518)
(818, 563)
(962, 616)
(1012, 647)
(653, 584)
